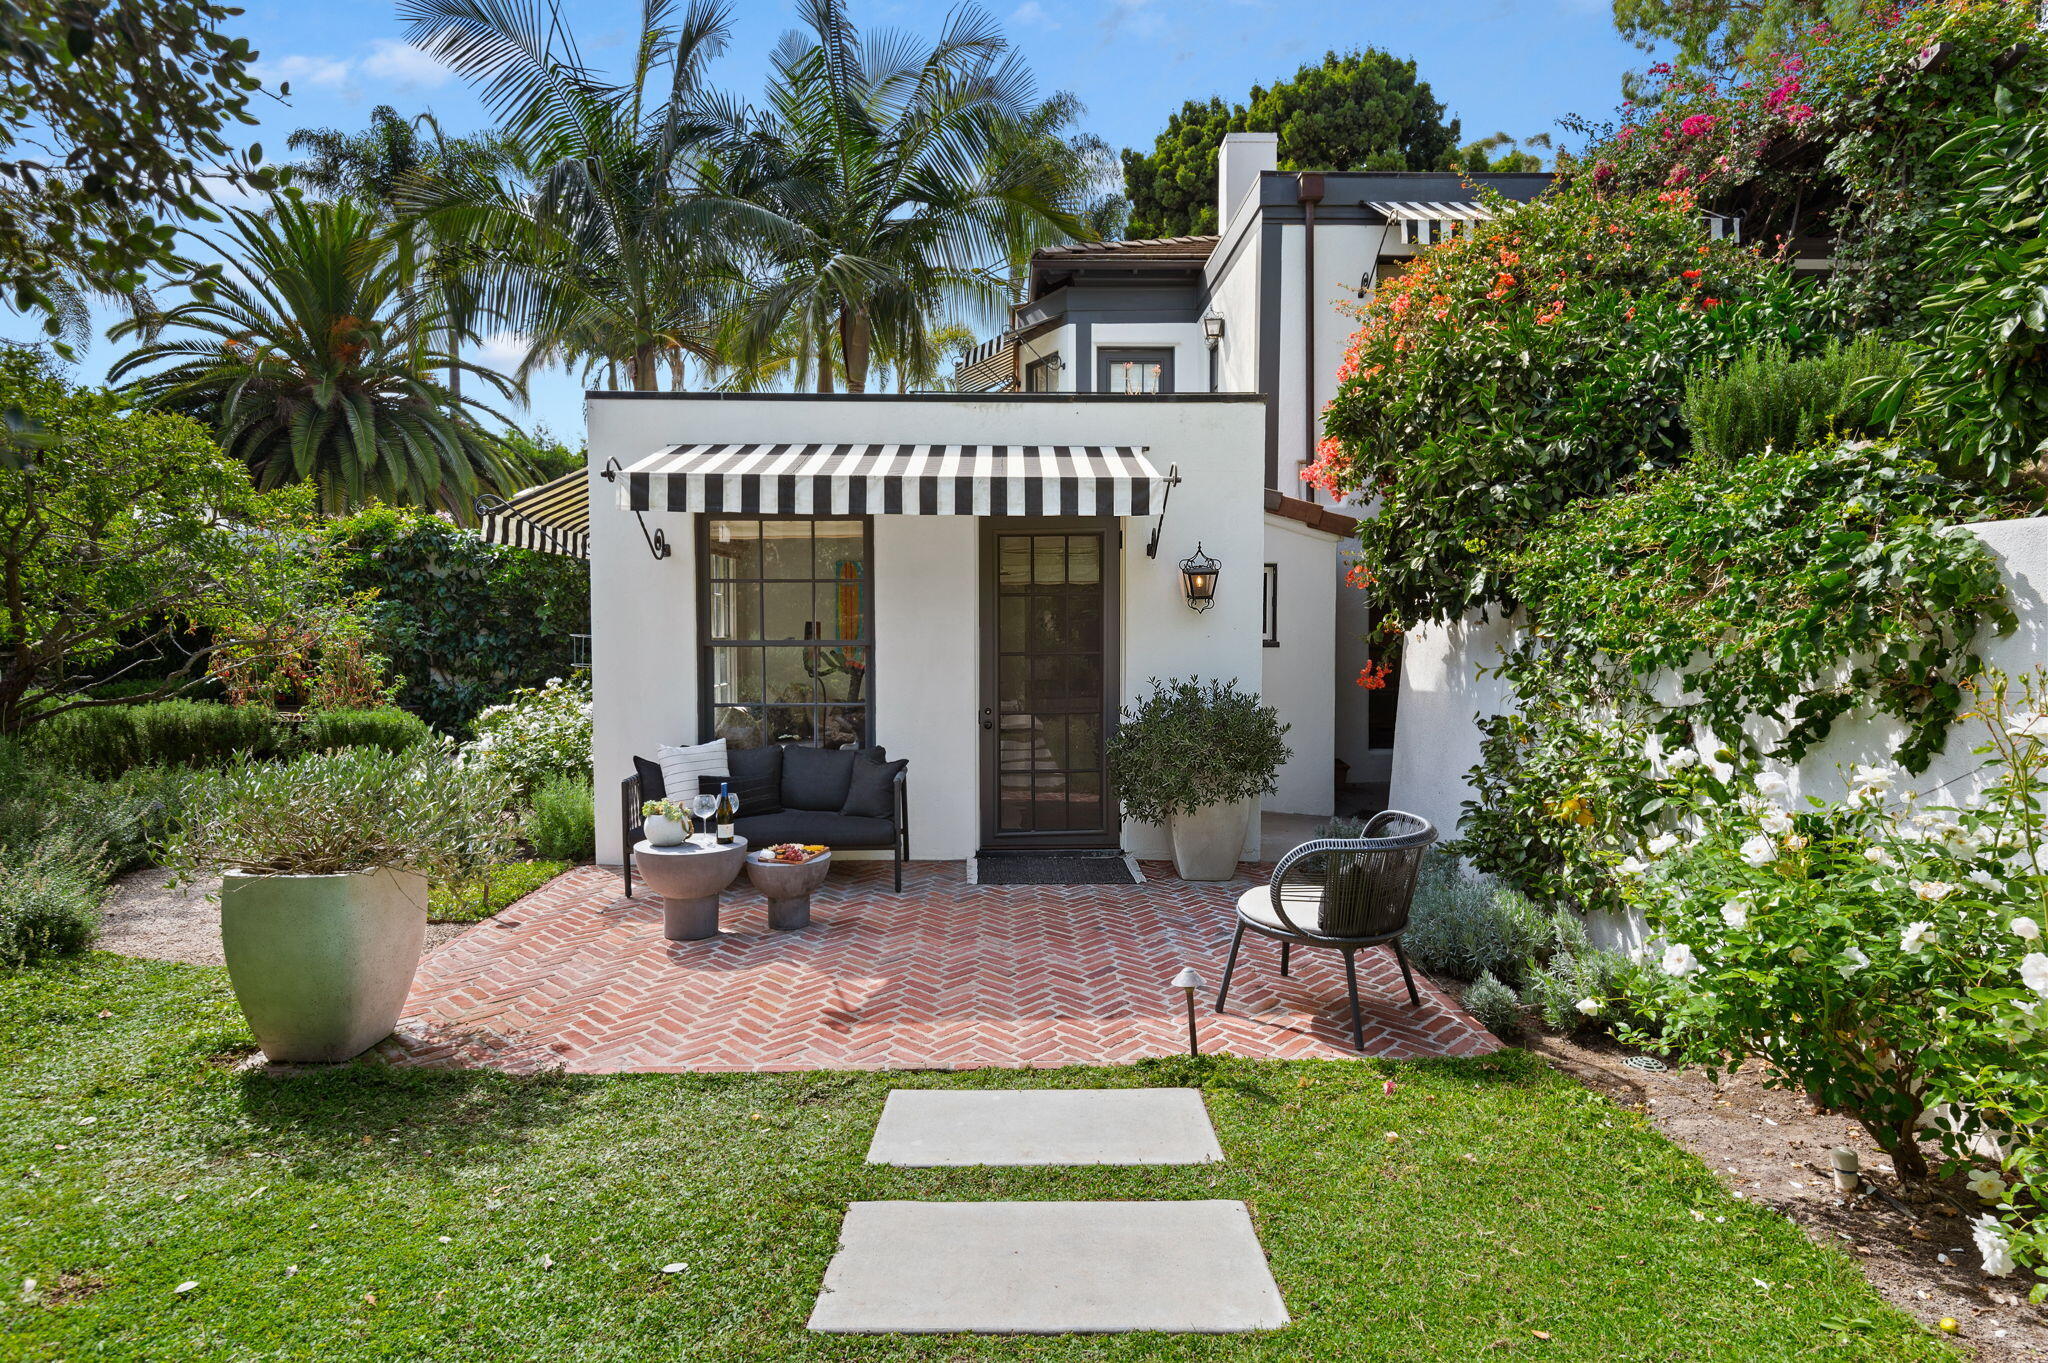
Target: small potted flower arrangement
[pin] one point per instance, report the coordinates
(666, 823)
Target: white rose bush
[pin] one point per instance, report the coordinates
(1883, 954)
(542, 732)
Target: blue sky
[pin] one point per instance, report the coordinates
(1500, 65)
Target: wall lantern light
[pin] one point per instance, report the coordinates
(1212, 328)
(1198, 579)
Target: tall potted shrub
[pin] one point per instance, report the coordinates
(1196, 756)
(326, 864)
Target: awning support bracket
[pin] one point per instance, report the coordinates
(1172, 481)
(657, 540)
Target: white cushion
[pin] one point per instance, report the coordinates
(680, 767)
(1304, 906)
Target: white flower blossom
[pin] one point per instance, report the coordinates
(1917, 935)
(2026, 929)
(1933, 891)
(1662, 843)
(1679, 960)
(1853, 960)
(1631, 867)
(1796, 841)
(1681, 759)
(1980, 876)
(1735, 913)
(1776, 822)
(1878, 856)
(1759, 851)
(2034, 972)
(1987, 1185)
(1992, 1246)
(1873, 778)
(1772, 784)
(1590, 1007)
(2027, 724)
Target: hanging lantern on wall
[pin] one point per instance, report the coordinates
(1198, 579)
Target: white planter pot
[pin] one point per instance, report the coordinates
(321, 964)
(1207, 842)
(665, 832)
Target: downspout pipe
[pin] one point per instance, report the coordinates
(1309, 190)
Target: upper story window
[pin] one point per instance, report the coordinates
(1042, 376)
(787, 639)
(1134, 372)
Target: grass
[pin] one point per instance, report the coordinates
(373, 1214)
(502, 884)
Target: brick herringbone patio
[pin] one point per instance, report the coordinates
(946, 975)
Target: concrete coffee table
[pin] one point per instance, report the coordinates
(689, 877)
(788, 885)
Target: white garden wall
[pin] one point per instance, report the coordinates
(1443, 696)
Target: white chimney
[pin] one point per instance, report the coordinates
(1239, 162)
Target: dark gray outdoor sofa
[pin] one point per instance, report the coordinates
(789, 792)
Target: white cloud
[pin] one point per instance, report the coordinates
(387, 67)
(1031, 12)
(501, 350)
(403, 66)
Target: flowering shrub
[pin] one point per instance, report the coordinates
(541, 732)
(1538, 359)
(1882, 953)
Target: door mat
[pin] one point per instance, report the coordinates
(1026, 868)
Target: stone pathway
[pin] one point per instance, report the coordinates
(1047, 1267)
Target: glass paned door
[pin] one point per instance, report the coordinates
(1050, 640)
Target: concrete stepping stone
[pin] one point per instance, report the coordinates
(1047, 1268)
(925, 1128)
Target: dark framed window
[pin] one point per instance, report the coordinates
(1134, 372)
(1269, 606)
(1042, 376)
(785, 617)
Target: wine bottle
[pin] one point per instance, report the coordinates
(724, 815)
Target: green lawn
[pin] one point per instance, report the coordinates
(312, 1212)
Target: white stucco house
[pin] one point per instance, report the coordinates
(980, 580)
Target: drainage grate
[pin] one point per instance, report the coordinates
(1644, 1062)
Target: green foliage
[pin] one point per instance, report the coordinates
(563, 823)
(1535, 361)
(49, 902)
(1495, 1006)
(536, 735)
(495, 888)
(388, 727)
(357, 809)
(463, 623)
(1462, 926)
(1904, 935)
(1191, 744)
(1359, 110)
(315, 363)
(1979, 389)
(126, 531)
(105, 741)
(1803, 586)
(1583, 988)
(1767, 399)
(114, 120)
(1717, 35)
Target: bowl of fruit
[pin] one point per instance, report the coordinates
(792, 853)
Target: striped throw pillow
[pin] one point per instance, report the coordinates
(680, 767)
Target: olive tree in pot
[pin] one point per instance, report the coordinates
(326, 862)
(1196, 756)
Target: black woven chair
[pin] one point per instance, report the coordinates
(1342, 893)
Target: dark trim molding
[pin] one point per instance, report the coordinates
(1269, 342)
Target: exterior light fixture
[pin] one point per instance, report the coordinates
(1188, 982)
(1212, 328)
(1198, 579)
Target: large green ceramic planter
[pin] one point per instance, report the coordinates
(321, 964)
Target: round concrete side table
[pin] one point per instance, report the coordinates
(689, 877)
(788, 885)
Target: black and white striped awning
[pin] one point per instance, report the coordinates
(553, 517)
(1423, 224)
(897, 480)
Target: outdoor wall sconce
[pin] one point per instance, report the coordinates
(1198, 579)
(1212, 328)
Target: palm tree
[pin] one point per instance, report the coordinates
(596, 244)
(312, 359)
(882, 185)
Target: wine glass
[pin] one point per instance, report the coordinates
(704, 806)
